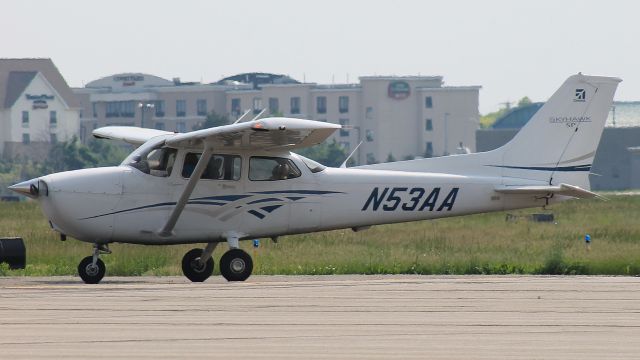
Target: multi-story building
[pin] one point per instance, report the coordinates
(136, 99)
(38, 108)
(398, 117)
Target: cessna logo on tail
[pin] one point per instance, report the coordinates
(409, 199)
(581, 95)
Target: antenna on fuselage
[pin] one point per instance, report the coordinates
(344, 164)
(260, 115)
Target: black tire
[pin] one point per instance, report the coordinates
(190, 267)
(89, 273)
(236, 265)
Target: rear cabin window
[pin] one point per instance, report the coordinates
(157, 162)
(262, 168)
(220, 167)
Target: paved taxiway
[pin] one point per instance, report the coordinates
(436, 317)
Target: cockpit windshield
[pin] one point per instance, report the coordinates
(153, 158)
(313, 165)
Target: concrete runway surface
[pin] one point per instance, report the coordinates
(295, 317)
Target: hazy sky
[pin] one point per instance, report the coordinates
(511, 48)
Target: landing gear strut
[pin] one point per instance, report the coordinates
(91, 269)
(197, 264)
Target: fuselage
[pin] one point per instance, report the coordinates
(126, 204)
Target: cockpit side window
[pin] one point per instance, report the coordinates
(220, 167)
(263, 168)
(157, 161)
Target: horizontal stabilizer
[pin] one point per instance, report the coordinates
(544, 190)
(131, 134)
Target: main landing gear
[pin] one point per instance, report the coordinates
(91, 269)
(235, 264)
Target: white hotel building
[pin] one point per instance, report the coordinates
(404, 116)
(37, 108)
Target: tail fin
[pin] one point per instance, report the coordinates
(556, 146)
(559, 143)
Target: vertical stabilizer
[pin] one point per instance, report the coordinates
(559, 143)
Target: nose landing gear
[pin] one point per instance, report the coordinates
(91, 269)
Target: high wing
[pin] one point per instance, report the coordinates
(562, 189)
(131, 134)
(264, 134)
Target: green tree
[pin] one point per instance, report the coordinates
(489, 119)
(213, 120)
(524, 101)
(326, 153)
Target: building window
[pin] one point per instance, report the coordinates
(160, 108)
(428, 102)
(295, 105)
(181, 108)
(201, 106)
(53, 138)
(120, 109)
(53, 118)
(369, 113)
(428, 152)
(129, 109)
(159, 125)
(26, 139)
(95, 110)
(369, 135)
(25, 119)
(274, 106)
(257, 105)
(181, 127)
(428, 125)
(343, 104)
(344, 131)
(321, 104)
(235, 107)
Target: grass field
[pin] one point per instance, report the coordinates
(478, 244)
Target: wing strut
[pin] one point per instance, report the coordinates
(167, 229)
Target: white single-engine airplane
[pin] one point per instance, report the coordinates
(240, 181)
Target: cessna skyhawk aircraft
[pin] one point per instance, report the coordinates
(240, 181)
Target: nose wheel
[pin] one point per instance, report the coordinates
(91, 269)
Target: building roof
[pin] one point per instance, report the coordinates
(17, 82)
(15, 72)
(258, 79)
(517, 117)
